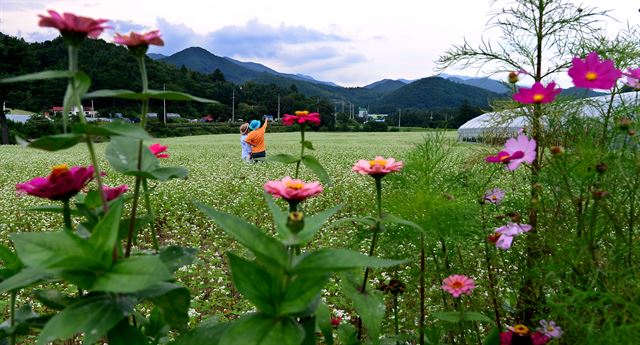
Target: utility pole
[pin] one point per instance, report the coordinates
(93, 109)
(278, 107)
(233, 105)
(399, 116)
(164, 107)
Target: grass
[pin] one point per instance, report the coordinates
(218, 178)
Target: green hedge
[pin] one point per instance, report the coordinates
(160, 130)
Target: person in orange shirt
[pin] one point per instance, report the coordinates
(256, 139)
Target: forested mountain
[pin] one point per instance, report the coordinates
(385, 85)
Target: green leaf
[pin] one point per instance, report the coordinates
(56, 142)
(493, 338)
(334, 260)
(38, 76)
(54, 251)
(116, 128)
(308, 324)
(125, 334)
(255, 284)
(174, 305)
(369, 221)
(314, 223)
(312, 163)
(283, 158)
(94, 315)
(280, 220)
(475, 316)
(175, 257)
(53, 299)
(448, 316)
(301, 292)
(167, 173)
(26, 277)
(132, 274)
(206, 333)
(122, 154)
(10, 261)
(369, 306)
(177, 96)
(308, 145)
(260, 329)
(151, 94)
(81, 83)
(261, 245)
(347, 334)
(105, 234)
(323, 321)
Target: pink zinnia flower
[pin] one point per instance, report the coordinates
(292, 190)
(633, 78)
(550, 329)
(457, 284)
(593, 73)
(537, 338)
(61, 184)
(114, 192)
(537, 94)
(379, 166)
(508, 232)
(494, 196)
(134, 40)
(158, 150)
(516, 151)
(72, 26)
(301, 117)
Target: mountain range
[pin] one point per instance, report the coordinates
(441, 91)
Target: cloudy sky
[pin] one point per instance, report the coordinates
(349, 42)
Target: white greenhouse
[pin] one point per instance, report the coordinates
(507, 123)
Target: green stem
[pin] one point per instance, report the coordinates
(132, 220)
(422, 291)
(13, 315)
(66, 213)
(301, 151)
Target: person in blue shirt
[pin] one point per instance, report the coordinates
(246, 148)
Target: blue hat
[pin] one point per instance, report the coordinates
(254, 124)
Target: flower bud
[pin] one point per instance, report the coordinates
(631, 133)
(513, 77)
(601, 167)
(295, 222)
(515, 217)
(493, 238)
(624, 123)
(599, 194)
(557, 150)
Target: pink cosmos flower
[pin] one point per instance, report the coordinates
(633, 77)
(593, 73)
(61, 184)
(537, 94)
(293, 190)
(379, 166)
(508, 232)
(301, 117)
(158, 150)
(71, 25)
(516, 151)
(550, 329)
(134, 40)
(114, 192)
(494, 196)
(457, 284)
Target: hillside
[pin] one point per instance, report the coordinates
(385, 85)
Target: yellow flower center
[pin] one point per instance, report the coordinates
(521, 329)
(591, 76)
(59, 169)
(550, 328)
(375, 162)
(294, 185)
(302, 113)
(538, 97)
(493, 197)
